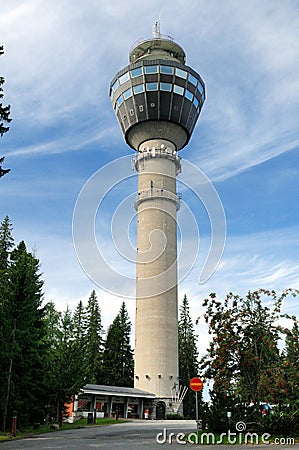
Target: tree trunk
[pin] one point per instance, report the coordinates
(9, 378)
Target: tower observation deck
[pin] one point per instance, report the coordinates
(157, 100)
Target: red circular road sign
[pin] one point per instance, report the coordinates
(196, 384)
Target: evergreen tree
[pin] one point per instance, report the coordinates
(93, 341)
(6, 244)
(118, 362)
(4, 117)
(23, 364)
(188, 357)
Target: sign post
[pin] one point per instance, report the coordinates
(196, 385)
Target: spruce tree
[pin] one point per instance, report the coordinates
(188, 357)
(94, 341)
(23, 365)
(118, 362)
(6, 244)
(4, 118)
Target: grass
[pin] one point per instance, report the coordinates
(82, 423)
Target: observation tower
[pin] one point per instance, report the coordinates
(157, 99)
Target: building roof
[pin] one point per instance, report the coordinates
(118, 391)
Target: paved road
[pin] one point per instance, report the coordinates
(136, 435)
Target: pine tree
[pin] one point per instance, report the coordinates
(118, 362)
(188, 356)
(23, 365)
(94, 341)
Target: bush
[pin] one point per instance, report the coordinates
(176, 416)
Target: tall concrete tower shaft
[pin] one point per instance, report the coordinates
(157, 100)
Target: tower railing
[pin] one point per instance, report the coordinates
(155, 194)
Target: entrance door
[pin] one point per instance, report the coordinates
(160, 410)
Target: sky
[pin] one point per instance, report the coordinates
(60, 57)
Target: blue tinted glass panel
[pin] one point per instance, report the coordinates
(178, 89)
(119, 101)
(195, 102)
(167, 69)
(128, 93)
(181, 73)
(189, 95)
(151, 86)
(124, 78)
(200, 88)
(138, 89)
(136, 72)
(115, 86)
(151, 69)
(192, 79)
(165, 87)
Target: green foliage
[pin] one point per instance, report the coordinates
(243, 358)
(93, 340)
(188, 357)
(22, 374)
(4, 110)
(118, 363)
(176, 416)
(4, 115)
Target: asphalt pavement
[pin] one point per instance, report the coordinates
(135, 435)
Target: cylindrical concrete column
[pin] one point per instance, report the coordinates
(156, 345)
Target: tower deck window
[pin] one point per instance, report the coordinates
(178, 89)
(138, 89)
(189, 95)
(181, 73)
(136, 72)
(192, 79)
(151, 69)
(119, 101)
(125, 77)
(200, 88)
(195, 102)
(151, 86)
(115, 86)
(167, 69)
(128, 93)
(165, 87)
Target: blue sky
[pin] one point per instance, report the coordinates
(59, 60)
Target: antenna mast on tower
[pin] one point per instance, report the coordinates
(157, 30)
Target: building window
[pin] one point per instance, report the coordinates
(136, 72)
(138, 89)
(153, 105)
(119, 101)
(125, 77)
(195, 102)
(178, 89)
(141, 108)
(151, 69)
(165, 87)
(192, 79)
(131, 112)
(151, 86)
(200, 88)
(167, 69)
(181, 73)
(189, 95)
(115, 86)
(128, 93)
